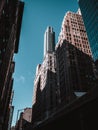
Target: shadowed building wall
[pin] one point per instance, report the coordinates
(10, 24)
(75, 72)
(89, 10)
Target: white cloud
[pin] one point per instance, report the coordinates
(21, 79)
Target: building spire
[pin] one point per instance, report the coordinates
(49, 40)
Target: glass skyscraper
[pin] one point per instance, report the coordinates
(89, 10)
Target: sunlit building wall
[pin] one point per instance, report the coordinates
(73, 30)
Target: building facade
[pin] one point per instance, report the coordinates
(73, 30)
(49, 40)
(12, 128)
(75, 72)
(67, 72)
(11, 110)
(89, 10)
(24, 121)
(10, 25)
(44, 99)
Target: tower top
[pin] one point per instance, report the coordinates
(79, 11)
(49, 40)
(49, 29)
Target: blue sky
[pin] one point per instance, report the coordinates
(38, 14)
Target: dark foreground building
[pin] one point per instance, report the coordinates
(10, 24)
(76, 72)
(78, 115)
(89, 10)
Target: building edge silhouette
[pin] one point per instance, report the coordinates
(10, 25)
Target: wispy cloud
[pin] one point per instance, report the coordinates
(31, 74)
(21, 79)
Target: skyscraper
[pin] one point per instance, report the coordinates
(49, 40)
(75, 67)
(67, 73)
(89, 10)
(10, 26)
(44, 99)
(73, 30)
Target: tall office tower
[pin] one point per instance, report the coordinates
(89, 10)
(74, 60)
(75, 72)
(73, 31)
(49, 40)
(10, 24)
(44, 100)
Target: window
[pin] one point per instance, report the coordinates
(67, 29)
